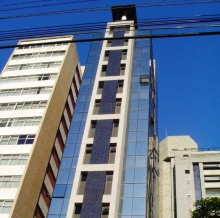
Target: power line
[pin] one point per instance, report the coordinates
(82, 32)
(23, 3)
(38, 6)
(142, 22)
(89, 28)
(149, 36)
(107, 8)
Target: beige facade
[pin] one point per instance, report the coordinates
(186, 175)
(24, 70)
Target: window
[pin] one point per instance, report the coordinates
(92, 129)
(122, 69)
(108, 183)
(96, 106)
(120, 86)
(98, 103)
(28, 78)
(212, 192)
(111, 29)
(38, 55)
(28, 121)
(212, 178)
(105, 211)
(33, 66)
(87, 155)
(127, 28)
(23, 105)
(118, 106)
(187, 171)
(100, 87)
(109, 43)
(54, 64)
(78, 208)
(5, 206)
(115, 128)
(82, 183)
(124, 54)
(77, 212)
(45, 45)
(144, 79)
(126, 42)
(106, 56)
(9, 181)
(27, 91)
(112, 152)
(104, 68)
(17, 140)
(14, 159)
(211, 166)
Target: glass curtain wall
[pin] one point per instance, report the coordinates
(134, 184)
(62, 191)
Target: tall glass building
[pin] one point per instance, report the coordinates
(110, 163)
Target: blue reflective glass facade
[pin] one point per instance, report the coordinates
(140, 160)
(61, 194)
(137, 173)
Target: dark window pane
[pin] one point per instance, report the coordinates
(21, 142)
(29, 141)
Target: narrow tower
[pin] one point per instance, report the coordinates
(110, 163)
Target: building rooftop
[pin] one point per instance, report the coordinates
(124, 10)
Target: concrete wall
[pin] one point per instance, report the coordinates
(177, 178)
(168, 147)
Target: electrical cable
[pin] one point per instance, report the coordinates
(23, 3)
(31, 2)
(106, 8)
(150, 36)
(56, 33)
(81, 29)
(150, 22)
(38, 6)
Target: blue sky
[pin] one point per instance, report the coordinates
(188, 68)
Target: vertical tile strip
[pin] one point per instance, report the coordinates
(100, 150)
(114, 60)
(107, 105)
(118, 32)
(94, 190)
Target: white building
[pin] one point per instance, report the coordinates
(186, 175)
(38, 91)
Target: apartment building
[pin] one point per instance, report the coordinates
(186, 175)
(38, 91)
